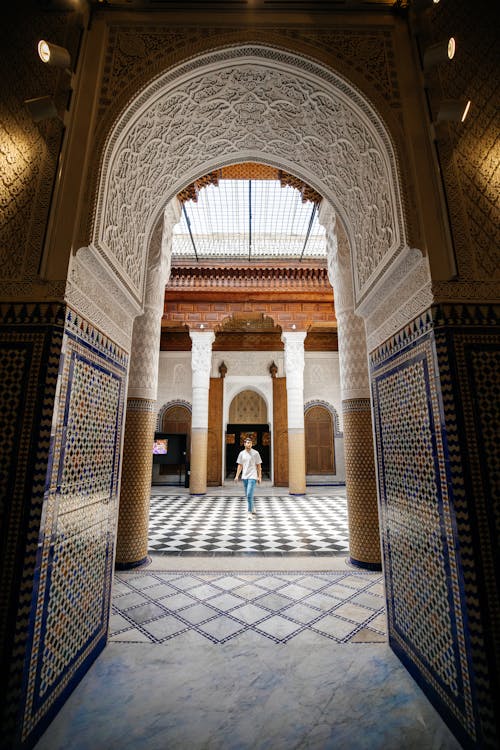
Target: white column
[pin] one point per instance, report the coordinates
(294, 371)
(361, 488)
(135, 490)
(201, 360)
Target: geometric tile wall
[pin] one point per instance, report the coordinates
(70, 599)
(30, 346)
(433, 405)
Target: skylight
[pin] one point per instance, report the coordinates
(249, 219)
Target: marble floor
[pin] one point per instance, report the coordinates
(247, 652)
(219, 524)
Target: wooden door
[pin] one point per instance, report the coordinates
(280, 432)
(214, 447)
(176, 419)
(320, 457)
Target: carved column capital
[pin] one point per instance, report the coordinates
(201, 352)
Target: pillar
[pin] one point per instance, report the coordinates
(361, 484)
(201, 361)
(135, 494)
(294, 370)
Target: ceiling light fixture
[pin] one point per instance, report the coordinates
(453, 110)
(41, 108)
(441, 52)
(422, 5)
(53, 55)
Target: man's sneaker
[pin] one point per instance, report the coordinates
(254, 512)
(250, 515)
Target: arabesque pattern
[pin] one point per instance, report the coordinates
(72, 585)
(307, 119)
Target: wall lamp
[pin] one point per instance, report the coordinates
(439, 53)
(422, 5)
(453, 110)
(52, 54)
(41, 108)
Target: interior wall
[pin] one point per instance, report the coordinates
(121, 59)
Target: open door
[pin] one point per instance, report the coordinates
(280, 432)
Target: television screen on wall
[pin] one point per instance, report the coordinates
(160, 446)
(169, 448)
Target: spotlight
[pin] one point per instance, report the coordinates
(52, 54)
(453, 110)
(439, 53)
(421, 5)
(41, 108)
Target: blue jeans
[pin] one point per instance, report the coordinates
(249, 485)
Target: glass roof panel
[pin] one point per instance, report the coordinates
(248, 219)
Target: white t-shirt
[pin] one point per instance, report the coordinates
(249, 461)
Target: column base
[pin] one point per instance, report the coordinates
(136, 564)
(365, 565)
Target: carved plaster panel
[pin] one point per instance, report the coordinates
(414, 287)
(239, 363)
(469, 155)
(294, 358)
(143, 374)
(201, 354)
(252, 103)
(94, 292)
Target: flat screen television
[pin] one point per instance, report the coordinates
(169, 448)
(160, 446)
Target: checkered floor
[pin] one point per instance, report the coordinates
(154, 607)
(284, 525)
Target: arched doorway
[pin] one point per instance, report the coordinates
(320, 447)
(175, 419)
(248, 418)
(279, 108)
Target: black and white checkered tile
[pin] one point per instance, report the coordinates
(284, 525)
(154, 607)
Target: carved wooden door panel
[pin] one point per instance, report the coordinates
(320, 457)
(214, 447)
(280, 432)
(177, 420)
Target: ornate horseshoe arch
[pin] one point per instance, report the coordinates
(241, 104)
(244, 103)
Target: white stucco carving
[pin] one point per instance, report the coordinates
(249, 103)
(201, 359)
(294, 370)
(143, 373)
(95, 292)
(403, 293)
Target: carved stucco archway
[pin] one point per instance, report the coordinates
(249, 103)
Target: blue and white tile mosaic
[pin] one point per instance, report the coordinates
(75, 554)
(427, 446)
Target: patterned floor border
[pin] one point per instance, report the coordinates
(158, 606)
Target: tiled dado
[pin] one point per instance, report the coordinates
(435, 398)
(30, 346)
(65, 627)
(132, 538)
(362, 507)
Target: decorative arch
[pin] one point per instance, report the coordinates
(237, 389)
(250, 419)
(249, 103)
(166, 407)
(337, 432)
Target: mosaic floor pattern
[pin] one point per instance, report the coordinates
(155, 607)
(219, 525)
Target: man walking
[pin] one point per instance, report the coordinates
(250, 467)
